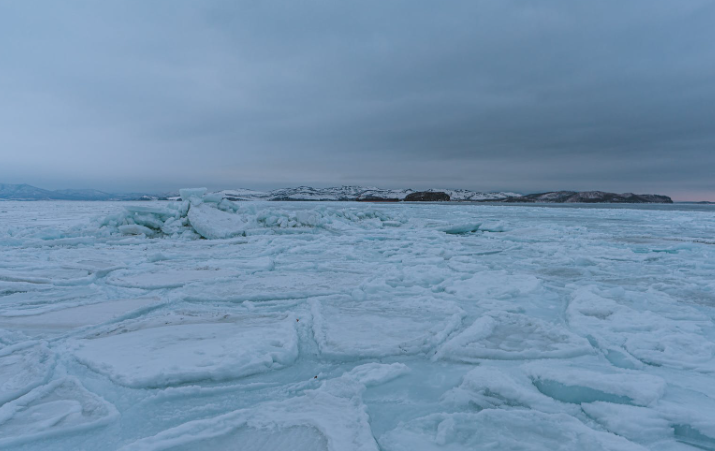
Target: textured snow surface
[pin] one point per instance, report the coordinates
(220, 325)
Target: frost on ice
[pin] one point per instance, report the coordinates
(211, 324)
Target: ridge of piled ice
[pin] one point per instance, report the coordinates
(214, 217)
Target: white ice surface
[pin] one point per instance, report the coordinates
(160, 355)
(211, 324)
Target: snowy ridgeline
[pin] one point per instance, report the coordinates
(354, 193)
(208, 324)
(358, 193)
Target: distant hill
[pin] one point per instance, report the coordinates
(29, 192)
(339, 193)
(591, 197)
(360, 193)
(355, 193)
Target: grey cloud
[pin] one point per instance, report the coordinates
(485, 95)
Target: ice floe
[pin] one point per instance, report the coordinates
(345, 328)
(161, 355)
(513, 336)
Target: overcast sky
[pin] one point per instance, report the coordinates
(489, 95)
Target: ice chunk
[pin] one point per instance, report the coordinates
(160, 356)
(493, 226)
(513, 336)
(213, 224)
(640, 424)
(461, 228)
(23, 368)
(487, 387)
(151, 210)
(572, 384)
(493, 284)
(624, 332)
(213, 198)
(376, 373)
(193, 195)
(680, 350)
(690, 414)
(136, 229)
(61, 407)
(503, 430)
(343, 327)
(591, 313)
(622, 359)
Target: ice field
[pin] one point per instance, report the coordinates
(212, 325)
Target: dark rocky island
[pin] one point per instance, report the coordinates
(427, 196)
(592, 197)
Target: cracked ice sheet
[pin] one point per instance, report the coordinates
(522, 327)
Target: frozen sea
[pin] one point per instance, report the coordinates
(211, 325)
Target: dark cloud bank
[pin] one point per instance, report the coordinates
(485, 95)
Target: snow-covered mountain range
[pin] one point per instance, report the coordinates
(590, 197)
(359, 193)
(29, 192)
(356, 193)
(338, 193)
